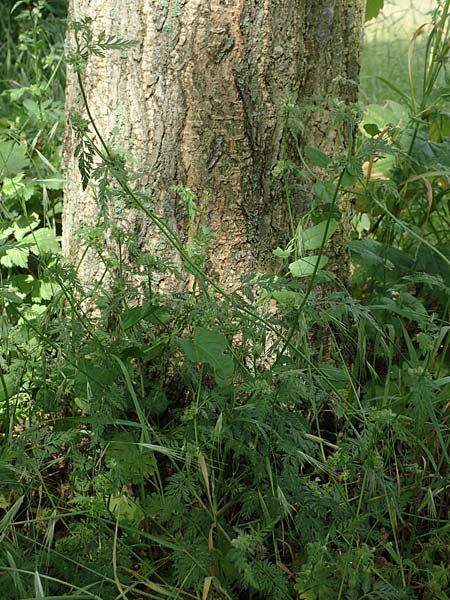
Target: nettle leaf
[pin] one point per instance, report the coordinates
(317, 157)
(312, 238)
(373, 8)
(305, 267)
(210, 347)
(12, 158)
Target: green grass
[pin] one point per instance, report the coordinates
(385, 52)
(197, 445)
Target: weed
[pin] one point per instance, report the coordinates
(202, 445)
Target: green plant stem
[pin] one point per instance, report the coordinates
(288, 339)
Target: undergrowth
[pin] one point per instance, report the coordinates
(204, 445)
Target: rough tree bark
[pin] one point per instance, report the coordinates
(200, 101)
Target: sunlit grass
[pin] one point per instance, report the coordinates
(386, 49)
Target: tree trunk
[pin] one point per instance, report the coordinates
(200, 102)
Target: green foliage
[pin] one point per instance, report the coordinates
(373, 8)
(31, 95)
(201, 445)
(209, 347)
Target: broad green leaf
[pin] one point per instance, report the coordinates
(382, 168)
(312, 238)
(11, 296)
(282, 253)
(371, 129)
(32, 311)
(44, 290)
(210, 347)
(367, 253)
(306, 266)
(12, 158)
(410, 308)
(32, 107)
(21, 283)
(324, 191)
(373, 8)
(93, 375)
(132, 316)
(8, 386)
(338, 377)
(400, 114)
(375, 115)
(349, 180)
(127, 510)
(18, 186)
(361, 222)
(16, 257)
(4, 233)
(440, 127)
(24, 225)
(372, 252)
(43, 240)
(317, 157)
